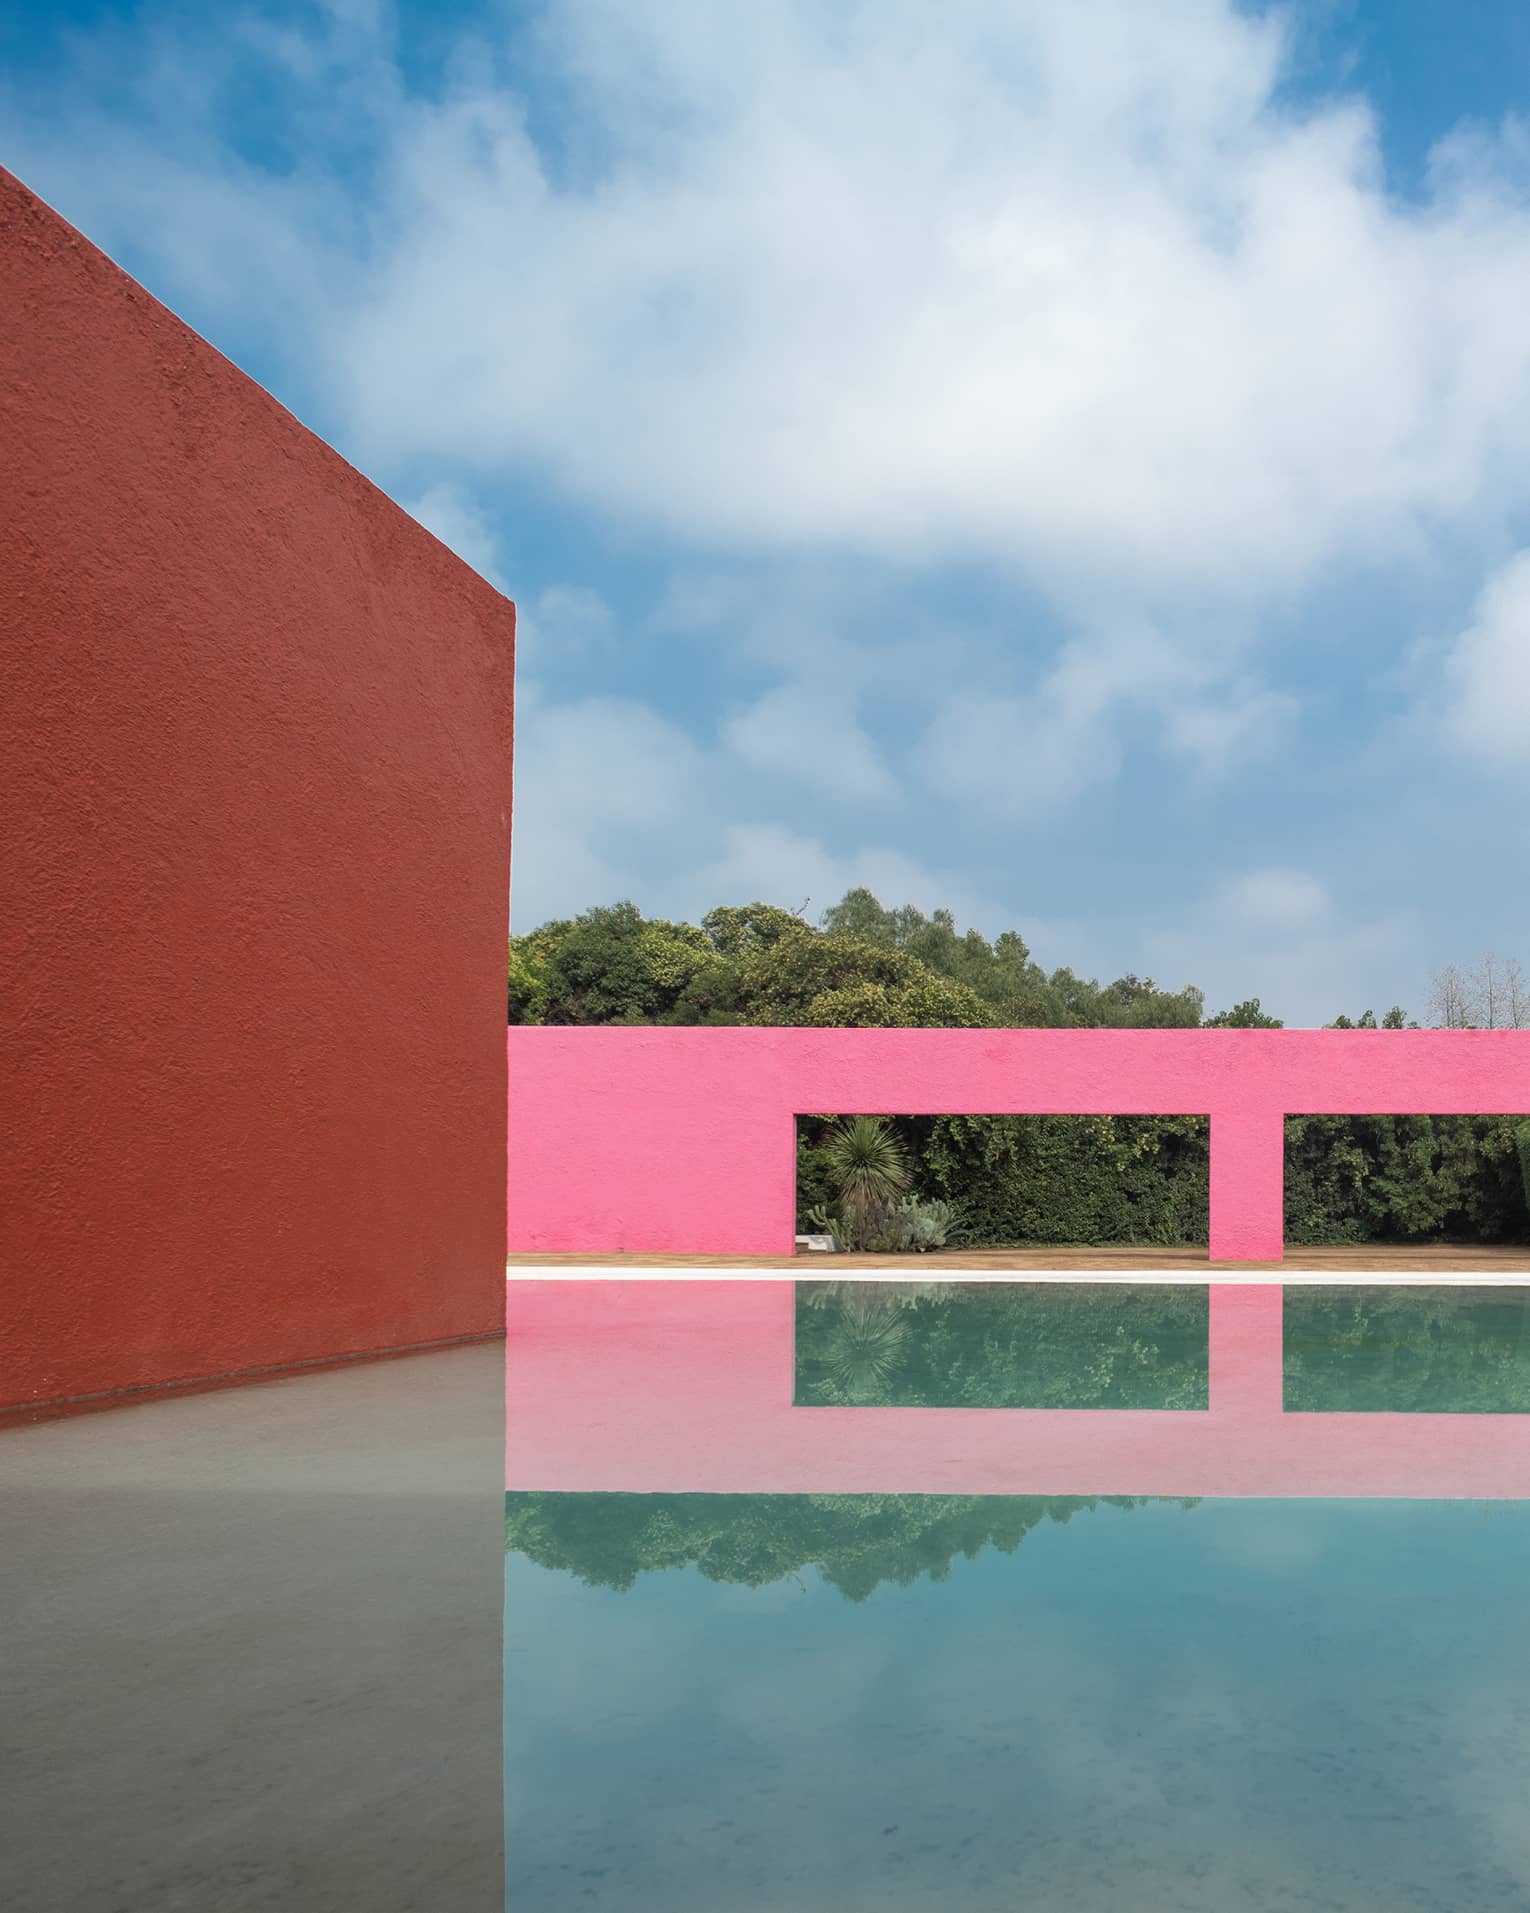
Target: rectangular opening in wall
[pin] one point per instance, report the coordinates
(864, 1344)
(1450, 1192)
(1407, 1351)
(974, 1183)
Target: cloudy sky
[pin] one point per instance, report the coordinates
(1068, 462)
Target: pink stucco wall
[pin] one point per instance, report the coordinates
(656, 1387)
(682, 1141)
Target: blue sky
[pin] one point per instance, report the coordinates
(1067, 464)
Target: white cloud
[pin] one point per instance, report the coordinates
(459, 522)
(1058, 285)
(811, 735)
(1023, 758)
(1487, 672)
(604, 788)
(562, 624)
(776, 864)
(1276, 933)
(1273, 899)
(1027, 756)
(1074, 290)
(1219, 733)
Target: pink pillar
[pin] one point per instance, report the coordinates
(1248, 1174)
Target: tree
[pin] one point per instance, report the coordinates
(1494, 994)
(610, 965)
(1395, 1019)
(834, 980)
(1244, 1016)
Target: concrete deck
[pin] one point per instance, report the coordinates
(1382, 1263)
(251, 1648)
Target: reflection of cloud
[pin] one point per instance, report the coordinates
(1262, 1546)
(1256, 1705)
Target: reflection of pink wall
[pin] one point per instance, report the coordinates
(681, 1141)
(653, 1387)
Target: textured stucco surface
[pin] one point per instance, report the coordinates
(255, 775)
(682, 1142)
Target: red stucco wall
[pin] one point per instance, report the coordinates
(255, 734)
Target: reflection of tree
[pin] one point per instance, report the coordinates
(1001, 1345)
(856, 1541)
(1410, 1351)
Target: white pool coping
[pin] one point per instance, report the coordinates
(791, 1269)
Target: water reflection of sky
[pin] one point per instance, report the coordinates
(1282, 1702)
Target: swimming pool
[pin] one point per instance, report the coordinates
(1209, 1597)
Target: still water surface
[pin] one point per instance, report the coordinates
(1088, 1702)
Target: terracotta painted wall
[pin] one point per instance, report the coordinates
(683, 1141)
(255, 739)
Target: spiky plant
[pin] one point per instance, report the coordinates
(865, 1345)
(870, 1171)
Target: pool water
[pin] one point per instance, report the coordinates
(790, 1697)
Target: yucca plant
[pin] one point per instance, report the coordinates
(870, 1171)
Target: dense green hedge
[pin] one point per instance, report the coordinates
(1144, 1179)
(1404, 1178)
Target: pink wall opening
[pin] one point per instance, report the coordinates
(255, 740)
(682, 1142)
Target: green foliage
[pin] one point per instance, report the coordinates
(807, 979)
(916, 1227)
(1430, 1351)
(1244, 1016)
(609, 966)
(1402, 1178)
(1016, 993)
(1522, 1142)
(1082, 1179)
(857, 1542)
(1001, 1345)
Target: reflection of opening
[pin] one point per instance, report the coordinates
(910, 1184)
(1413, 1351)
(1001, 1345)
(1425, 1180)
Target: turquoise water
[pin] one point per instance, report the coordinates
(1001, 1345)
(1094, 1704)
(1451, 1351)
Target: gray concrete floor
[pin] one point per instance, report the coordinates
(250, 1648)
